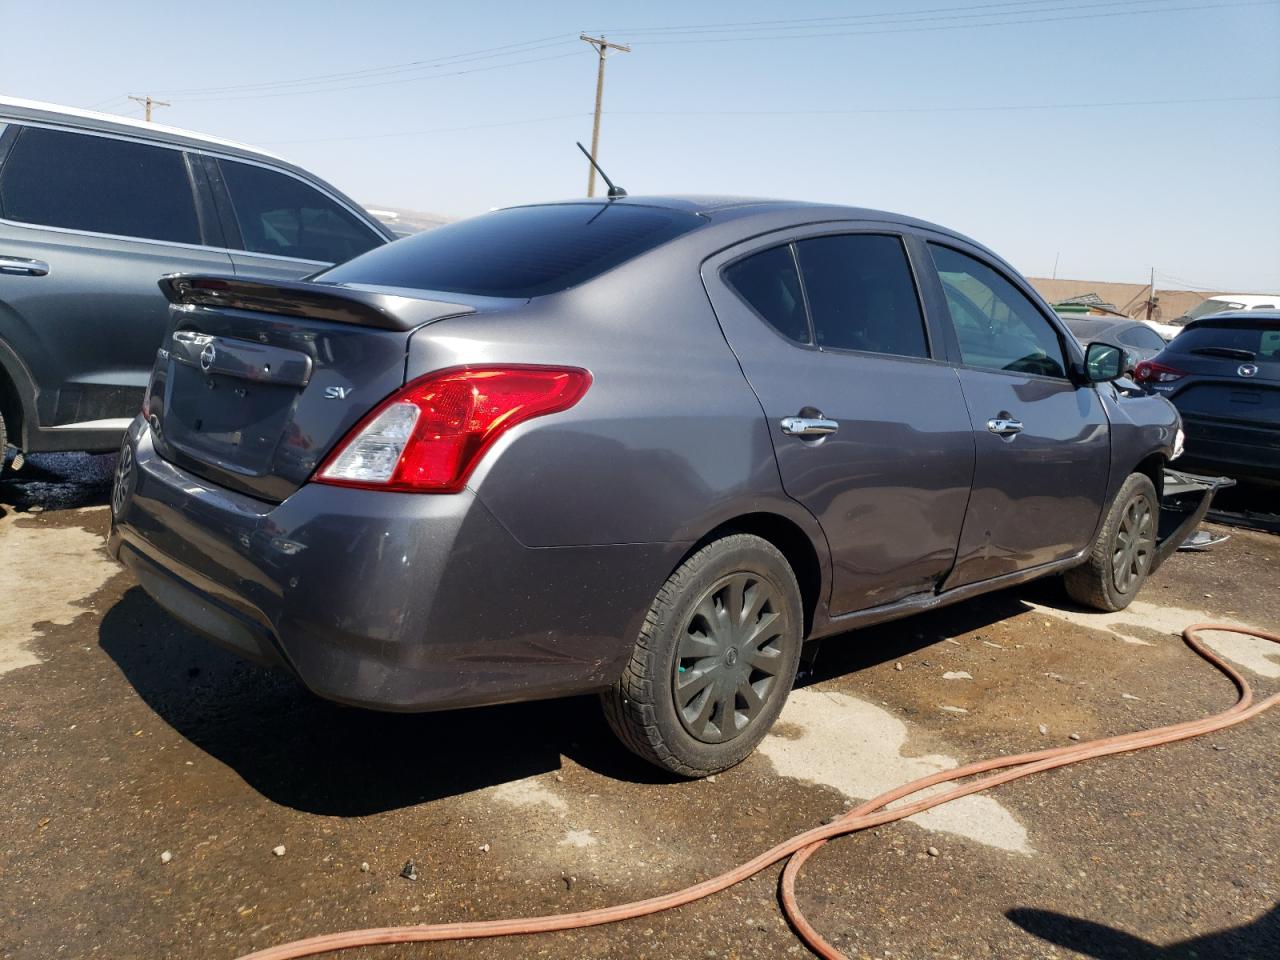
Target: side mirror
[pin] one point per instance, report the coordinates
(1104, 362)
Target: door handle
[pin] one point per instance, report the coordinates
(808, 426)
(23, 267)
(1004, 427)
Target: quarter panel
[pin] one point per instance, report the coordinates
(668, 439)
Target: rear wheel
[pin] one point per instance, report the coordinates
(1123, 551)
(714, 661)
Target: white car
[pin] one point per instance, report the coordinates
(1216, 304)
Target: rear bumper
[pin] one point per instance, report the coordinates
(392, 601)
(1187, 498)
(1238, 449)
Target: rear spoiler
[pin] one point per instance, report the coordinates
(314, 301)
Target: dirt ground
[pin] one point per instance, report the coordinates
(147, 779)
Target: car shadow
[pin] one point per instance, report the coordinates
(58, 481)
(1258, 939)
(860, 649)
(319, 757)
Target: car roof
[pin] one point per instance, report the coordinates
(14, 108)
(1236, 318)
(724, 209)
(1248, 299)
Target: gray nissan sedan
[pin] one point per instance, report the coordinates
(644, 447)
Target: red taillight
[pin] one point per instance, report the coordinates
(428, 436)
(1148, 371)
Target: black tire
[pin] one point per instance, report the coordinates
(4, 446)
(741, 668)
(1122, 554)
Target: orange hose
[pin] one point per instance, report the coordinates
(802, 846)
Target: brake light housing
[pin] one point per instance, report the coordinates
(428, 436)
(1150, 371)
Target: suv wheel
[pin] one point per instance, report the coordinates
(714, 661)
(1121, 557)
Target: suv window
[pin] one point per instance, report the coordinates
(280, 215)
(861, 294)
(998, 327)
(520, 252)
(770, 284)
(85, 182)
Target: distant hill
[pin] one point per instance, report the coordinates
(405, 222)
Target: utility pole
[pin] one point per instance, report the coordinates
(148, 102)
(1151, 297)
(602, 46)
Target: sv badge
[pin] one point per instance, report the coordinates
(337, 393)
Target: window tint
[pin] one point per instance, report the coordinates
(281, 215)
(997, 326)
(1143, 337)
(1261, 341)
(520, 252)
(84, 182)
(861, 294)
(769, 283)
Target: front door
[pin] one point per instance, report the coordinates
(871, 433)
(1042, 440)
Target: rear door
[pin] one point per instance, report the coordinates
(1042, 441)
(869, 429)
(101, 219)
(279, 225)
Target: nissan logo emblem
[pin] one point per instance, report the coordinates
(207, 356)
(1247, 369)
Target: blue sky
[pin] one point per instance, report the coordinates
(875, 109)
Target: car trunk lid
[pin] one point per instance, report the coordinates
(257, 380)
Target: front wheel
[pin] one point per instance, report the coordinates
(714, 661)
(1123, 551)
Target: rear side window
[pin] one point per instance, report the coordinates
(80, 181)
(1143, 337)
(998, 327)
(861, 294)
(770, 284)
(521, 252)
(282, 216)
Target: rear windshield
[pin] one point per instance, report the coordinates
(1262, 342)
(521, 252)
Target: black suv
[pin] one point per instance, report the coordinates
(94, 209)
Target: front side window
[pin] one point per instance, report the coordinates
(80, 181)
(282, 216)
(997, 326)
(862, 295)
(769, 283)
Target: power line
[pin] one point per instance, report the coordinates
(381, 83)
(919, 26)
(971, 108)
(974, 11)
(435, 130)
(768, 113)
(840, 18)
(486, 53)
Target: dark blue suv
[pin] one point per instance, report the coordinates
(1222, 372)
